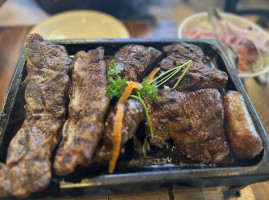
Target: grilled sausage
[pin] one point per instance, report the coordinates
(244, 139)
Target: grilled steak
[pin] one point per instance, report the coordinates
(132, 61)
(135, 60)
(199, 75)
(28, 167)
(4, 181)
(133, 116)
(244, 139)
(87, 109)
(194, 121)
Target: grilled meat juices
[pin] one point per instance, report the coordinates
(28, 166)
(87, 109)
(199, 75)
(194, 121)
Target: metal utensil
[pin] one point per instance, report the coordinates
(231, 53)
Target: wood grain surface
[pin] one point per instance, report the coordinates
(11, 44)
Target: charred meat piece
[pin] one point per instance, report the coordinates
(4, 181)
(244, 139)
(159, 112)
(133, 116)
(134, 61)
(194, 121)
(199, 75)
(87, 109)
(28, 166)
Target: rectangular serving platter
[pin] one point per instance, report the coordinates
(88, 181)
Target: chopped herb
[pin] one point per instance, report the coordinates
(113, 72)
(148, 90)
(116, 85)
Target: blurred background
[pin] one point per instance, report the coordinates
(30, 12)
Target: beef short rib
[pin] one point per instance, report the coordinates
(87, 109)
(194, 121)
(199, 75)
(28, 166)
(134, 61)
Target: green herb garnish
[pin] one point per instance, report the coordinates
(116, 85)
(148, 90)
(146, 112)
(170, 73)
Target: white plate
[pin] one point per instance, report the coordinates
(195, 19)
(81, 24)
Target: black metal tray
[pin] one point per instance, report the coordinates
(126, 179)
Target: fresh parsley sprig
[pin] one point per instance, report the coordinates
(147, 90)
(116, 85)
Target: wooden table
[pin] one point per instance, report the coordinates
(11, 44)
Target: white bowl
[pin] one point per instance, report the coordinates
(81, 24)
(195, 19)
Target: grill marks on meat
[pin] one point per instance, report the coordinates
(28, 167)
(159, 112)
(134, 61)
(133, 116)
(88, 106)
(194, 121)
(199, 75)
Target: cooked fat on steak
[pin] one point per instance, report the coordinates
(134, 61)
(199, 75)
(194, 121)
(87, 109)
(133, 116)
(28, 166)
(244, 139)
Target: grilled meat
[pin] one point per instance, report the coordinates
(28, 167)
(134, 61)
(244, 139)
(87, 109)
(4, 181)
(199, 75)
(194, 121)
(159, 112)
(133, 116)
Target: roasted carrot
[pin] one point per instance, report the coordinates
(136, 85)
(152, 74)
(126, 93)
(117, 127)
(116, 138)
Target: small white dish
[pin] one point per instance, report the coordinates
(81, 24)
(195, 19)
